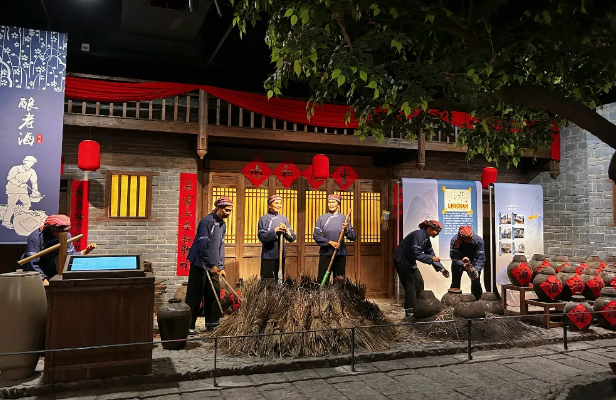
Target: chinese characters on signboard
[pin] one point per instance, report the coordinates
(186, 220)
(32, 77)
(79, 212)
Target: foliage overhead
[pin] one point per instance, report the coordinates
(512, 61)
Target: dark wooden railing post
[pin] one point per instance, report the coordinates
(202, 136)
(421, 150)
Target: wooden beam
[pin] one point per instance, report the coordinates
(222, 40)
(130, 124)
(203, 124)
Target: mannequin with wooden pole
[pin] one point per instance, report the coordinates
(331, 262)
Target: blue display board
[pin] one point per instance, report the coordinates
(103, 263)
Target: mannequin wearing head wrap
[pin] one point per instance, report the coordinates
(45, 237)
(416, 246)
(467, 244)
(271, 226)
(207, 256)
(326, 233)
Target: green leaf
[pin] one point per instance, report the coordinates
(374, 6)
(546, 17)
(430, 18)
(484, 124)
(424, 105)
(354, 69)
(313, 57)
(289, 12)
(489, 70)
(372, 85)
(327, 28)
(363, 75)
(297, 67)
(277, 91)
(393, 12)
(336, 73)
(475, 79)
(395, 43)
(377, 11)
(341, 80)
(376, 93)
(293, 20)
(270, 93)
(470, 72)
(520, 79)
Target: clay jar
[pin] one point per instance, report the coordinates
(579, 263)
(173, 323)
(558, 262)
(572, 282)
(592, 283)
(490, 303)
(519, 272)
(23, 310)
(427, 305)
(606, 304)
(538, 261)
(469, 308)
(609, 276)
(547, 286)
(578, 312)
(451, 298)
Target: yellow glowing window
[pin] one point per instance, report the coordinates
(370, 217)
(128, 196)
(289, 206)
(231, 224)
(316, 205)
(346, 203)
(255, 205)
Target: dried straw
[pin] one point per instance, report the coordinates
(303, 306)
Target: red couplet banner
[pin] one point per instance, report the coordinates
(186, 220)
(79, 212)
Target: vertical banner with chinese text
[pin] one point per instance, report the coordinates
(186, 220)
(79, 212)
(32, 78)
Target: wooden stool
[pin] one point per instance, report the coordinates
(523, 302)
(558, 306)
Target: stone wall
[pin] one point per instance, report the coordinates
(578, 203)
(163, 153)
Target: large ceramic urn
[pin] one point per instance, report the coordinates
(491, 304)
(579, 313)
(592, 283)
(173, 323)
(606, 304)
(572, 282)
(609, 276)
(23, 316)
(547, 286)
(579, 263)
(519, 272)
(452, 297)
(537, 262)
(469, 308)
(558, 262)
(427, 305)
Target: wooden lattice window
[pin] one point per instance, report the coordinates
(370, 217)
(255, 205)
(128, 195)
(289, 206)
(316, 204)
(346, 203)
(231, 221)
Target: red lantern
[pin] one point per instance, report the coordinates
(320, 167)
(89, 156)
(488, 176)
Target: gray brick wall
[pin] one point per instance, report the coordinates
(578, 203)
(168, 155)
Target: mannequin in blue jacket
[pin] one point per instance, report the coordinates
(467, 244)
(416, 246)
(271, 226)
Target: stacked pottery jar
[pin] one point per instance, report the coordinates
(595, 263)
(519, 272)
(579, 313)
(469, 308)
(579, 263)
(547, 286)
(572, 282)
(452, 297)
(609, 276)
(592, 283)
(489, 302)
(558, 263)
(606, 304)
(427, 305)
(537, 262)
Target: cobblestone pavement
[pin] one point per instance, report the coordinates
(530, 373)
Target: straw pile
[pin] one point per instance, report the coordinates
(303, 306)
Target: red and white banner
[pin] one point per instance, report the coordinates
(186, 220)
(79, 212)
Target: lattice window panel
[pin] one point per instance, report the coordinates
(289, 206)
(255, 205)
(316, 204)
(129, 196)
(370, 217)
(346, 202)
(230, 236)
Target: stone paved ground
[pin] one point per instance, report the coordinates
(530, 373)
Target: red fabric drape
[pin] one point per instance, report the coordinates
(328, 115)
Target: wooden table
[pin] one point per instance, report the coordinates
(523, 306)
(94, 312)
(547, 307)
